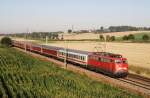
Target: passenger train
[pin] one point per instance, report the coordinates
(107, 63)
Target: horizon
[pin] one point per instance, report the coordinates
(52, 16)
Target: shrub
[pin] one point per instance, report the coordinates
(131, 37)
(112, 38)
(101, 37)
(6, 41)
(145, 37)
(125, 37)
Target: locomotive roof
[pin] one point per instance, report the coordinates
(107, 54)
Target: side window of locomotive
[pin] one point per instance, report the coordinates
(118, 61)
(105, 60)
(125, 61)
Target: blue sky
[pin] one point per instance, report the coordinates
(55, 15)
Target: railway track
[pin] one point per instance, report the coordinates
(142, 83)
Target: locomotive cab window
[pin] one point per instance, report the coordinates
(125, 61)
(105, 60)
(118, 61)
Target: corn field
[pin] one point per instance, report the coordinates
(22, 76)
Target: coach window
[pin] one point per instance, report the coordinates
(100, 59)
(80, 57)
(83, 58)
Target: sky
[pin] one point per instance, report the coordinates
(61, 15)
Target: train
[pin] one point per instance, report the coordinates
(108, 63)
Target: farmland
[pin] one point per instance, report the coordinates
(22, 76)
(91, 36)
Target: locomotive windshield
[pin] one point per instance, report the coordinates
(118, 61)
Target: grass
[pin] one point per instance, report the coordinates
(22, 76)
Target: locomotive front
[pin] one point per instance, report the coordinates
(121, 67)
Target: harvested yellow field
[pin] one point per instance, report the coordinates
(138, 54)
(96, 36)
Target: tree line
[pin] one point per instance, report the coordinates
(120, 29)
(111, 29)
(38, 35)
(109, 38)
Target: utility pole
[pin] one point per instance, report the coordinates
(105, 43)
(46, 40)
(25, 45)
(66, 54)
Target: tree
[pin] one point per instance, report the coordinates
(101, 37)
(101, 28)
(112, 38)
(69, 31)
(145, 37)
(131, 37)
(125, 37)
(6, 41)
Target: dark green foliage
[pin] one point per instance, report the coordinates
(131, 37)
(69, 31)
(38, 35)
(112, 38)
(22, 76)
(145, 37)
(6, 41)
(101, 37)
(122, 28)
(125, 37)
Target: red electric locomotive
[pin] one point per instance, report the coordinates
(113, 64)
(109, 63)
